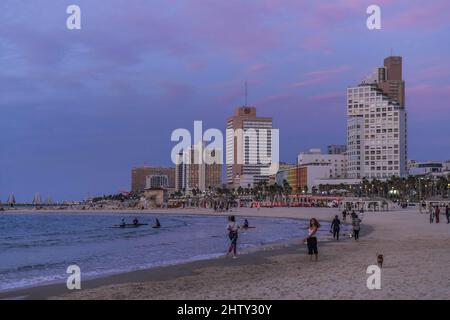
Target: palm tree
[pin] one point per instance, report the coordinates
(287, 189)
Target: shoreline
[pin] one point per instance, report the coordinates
(249, 256)
(46, 290)
(415, 267)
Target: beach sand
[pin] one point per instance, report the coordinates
(416, 263)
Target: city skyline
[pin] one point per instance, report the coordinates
(81, 108)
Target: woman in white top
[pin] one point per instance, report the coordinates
(232, 228)
(311, 240)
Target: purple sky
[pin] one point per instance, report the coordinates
(79, 108)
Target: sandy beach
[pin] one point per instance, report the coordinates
(416, 260)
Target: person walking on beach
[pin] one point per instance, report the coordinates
(335, 227)
(344, 215)
(447, 213)
(437, 212)
(431, 214)
(356, 223)
(311, 240)
(232, 228)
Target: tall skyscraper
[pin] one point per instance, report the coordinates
(248, 146)
(377, 124)
(191, 172)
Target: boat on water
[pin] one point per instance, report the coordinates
(130, 225)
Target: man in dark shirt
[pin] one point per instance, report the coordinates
(336, 227)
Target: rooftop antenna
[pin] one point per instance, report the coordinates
(391, 52)
(246, 94)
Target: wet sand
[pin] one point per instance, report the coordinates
(416, 260)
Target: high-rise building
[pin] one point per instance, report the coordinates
(377, 124)
(192, 171)
(139, 176)
(248, 146)
(337, 148)
(181, 173)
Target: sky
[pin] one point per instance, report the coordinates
(80, 108)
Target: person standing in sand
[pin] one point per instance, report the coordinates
(431, 214)
(344, 215)
(356, 223)
(335, 227)
(436, 213)
(232, 228)
(311, 240)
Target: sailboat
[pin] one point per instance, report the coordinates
(49, 201)
(11, 200)
(37, 201)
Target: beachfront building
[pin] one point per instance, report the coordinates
(246, 154)
(436, 168)
(377, 124)
(302, 178)
(194, 172)
(157, 181)
(338, 162)
(139, 176)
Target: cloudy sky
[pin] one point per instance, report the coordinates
(79, 108)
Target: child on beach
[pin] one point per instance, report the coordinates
(311, 240)
(232, 228)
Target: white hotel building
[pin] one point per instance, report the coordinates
(247, 154)
(377, 124)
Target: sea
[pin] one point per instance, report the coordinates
(37, 248)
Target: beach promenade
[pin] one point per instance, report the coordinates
(416, 261)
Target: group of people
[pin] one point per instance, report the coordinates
(221, 206)
(311, 239)
(136, 223)
(435, 214)
(335, 228)
(356, 224)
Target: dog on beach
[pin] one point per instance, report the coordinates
(380, 260)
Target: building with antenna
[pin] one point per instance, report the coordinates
(244, 153)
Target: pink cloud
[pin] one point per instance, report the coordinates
(258, 67)
(432, 14)
(308, 82)
(328, 96)
(317, 42)
(319, 76)
(428, 90)
(433, 73)
(328, 72)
